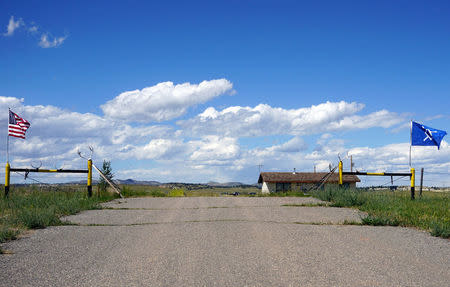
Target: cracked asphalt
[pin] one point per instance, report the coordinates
(224, 241)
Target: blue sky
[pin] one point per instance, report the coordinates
(289, 55)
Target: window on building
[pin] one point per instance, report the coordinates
(283, 186)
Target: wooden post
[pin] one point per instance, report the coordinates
(421, 182)
(340, 174)
(413, 181)
(89, 179)
(7, 175)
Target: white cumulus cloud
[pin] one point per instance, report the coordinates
(266, 120)
(58, 133)
(208, 146)
(214, 150)
(33, 29)
(296, 144)
(10, 102)
(47, 42)
(164, 101)
(158, 149)
(13, 26)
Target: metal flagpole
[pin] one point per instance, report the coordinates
(7, 138)
(410, 142)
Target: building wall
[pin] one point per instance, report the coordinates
(301, 187)
(265, 189)
(269, 187)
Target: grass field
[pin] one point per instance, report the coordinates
(154, 191)
(30, 208)
(431, 212)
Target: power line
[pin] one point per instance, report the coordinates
(436, 172)
(391, 182)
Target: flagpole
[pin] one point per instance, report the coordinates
(410, 142)
(7, 139)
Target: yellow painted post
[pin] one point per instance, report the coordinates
(89, 179)
(340, 173)
(7, 174)
(413, 182)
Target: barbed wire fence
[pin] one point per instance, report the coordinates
(33, 184)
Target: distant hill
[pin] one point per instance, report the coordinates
(190, 186)
(137, 182)
(181, 184)
(225, 184)
(209, 184)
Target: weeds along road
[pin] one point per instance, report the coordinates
(224, 242)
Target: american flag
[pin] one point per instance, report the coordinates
(17, 126)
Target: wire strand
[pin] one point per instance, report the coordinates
(50, 186)
(29, 177)
(440, 173)
(391, 182)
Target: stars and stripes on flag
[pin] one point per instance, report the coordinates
(17, 126)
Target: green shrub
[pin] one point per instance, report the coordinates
(7, 233)
(440, 229)
(157, 193)
(28, 208)
(379, 221)
(326, 194)
(136, 191)
(431, 212)
(286, 193)
(350, 197)
(34, 218)
(177, 192)
(107, 172)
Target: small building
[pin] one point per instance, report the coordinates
(300, 181)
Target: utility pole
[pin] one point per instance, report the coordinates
(351, 163)
(260, 166)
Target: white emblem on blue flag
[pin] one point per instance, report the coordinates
(426, 136)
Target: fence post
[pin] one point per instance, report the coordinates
(421, 182)
(340, 173)
(7, 174)
(89, 179)
(413, 181)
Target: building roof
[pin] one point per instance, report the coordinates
(304, 177)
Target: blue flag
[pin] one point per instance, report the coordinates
(423, 135)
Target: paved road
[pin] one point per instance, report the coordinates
(224, 242)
